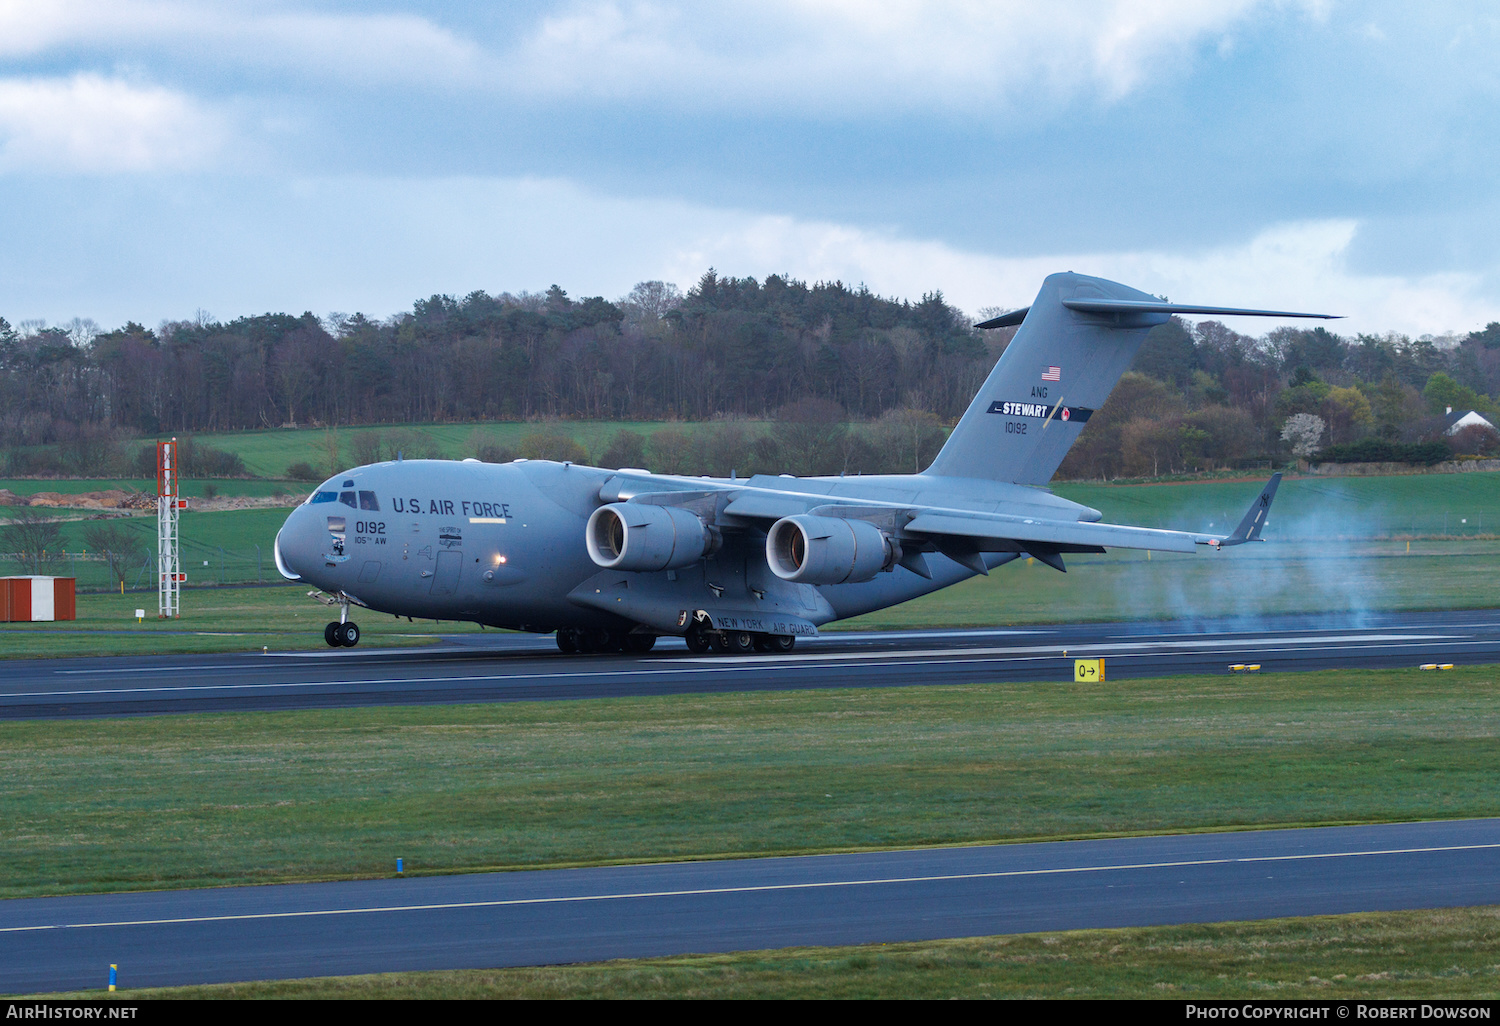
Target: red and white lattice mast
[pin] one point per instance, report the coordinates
(169, 575)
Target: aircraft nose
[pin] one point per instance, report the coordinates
(296, 546)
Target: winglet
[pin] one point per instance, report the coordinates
(1255, 518)
(1005, 320)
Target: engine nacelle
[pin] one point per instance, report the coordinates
(828, 550)
(640, 536)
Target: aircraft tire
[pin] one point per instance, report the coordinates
(349, 636)
(640, 644)
(720, 641)
(566, 641)
(330, 634)
(740, 642)
(762, 643)
(782, 642)
(698, 642)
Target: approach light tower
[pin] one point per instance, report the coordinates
(169, 575)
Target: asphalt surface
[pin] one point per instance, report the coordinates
(531, 918)
(561, 916)
(502, 667)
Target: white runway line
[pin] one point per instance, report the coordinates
(678, 665)
(747, 889)
(1104, 648)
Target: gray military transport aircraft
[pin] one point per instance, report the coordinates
(613, 559)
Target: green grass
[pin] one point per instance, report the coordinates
(268, 453)
(1309, 507)
(1443, 953)
(1248, 581)
(279, 617)
(104, 805)
(226, 540)
(1252, 580)
(192, 488)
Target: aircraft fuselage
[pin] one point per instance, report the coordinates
(503, 545)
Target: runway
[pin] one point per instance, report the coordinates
(502, 667)
(560, 916)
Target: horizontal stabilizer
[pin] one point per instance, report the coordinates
(1116, 307)
(1005, 320)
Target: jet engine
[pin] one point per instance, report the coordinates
(641, 536)
(828, 550)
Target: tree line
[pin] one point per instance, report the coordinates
(825, 360)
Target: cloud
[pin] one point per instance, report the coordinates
(96, 125)
(827, 57)
(1294, 266)
(348, 48)
(835, 55)
(251, 244)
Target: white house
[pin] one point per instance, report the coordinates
(1458, 421)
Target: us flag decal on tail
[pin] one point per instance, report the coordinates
(1052, 374)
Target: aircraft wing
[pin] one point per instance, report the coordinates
(960, 533)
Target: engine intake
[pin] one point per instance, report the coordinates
(641, 536)
(828, 550)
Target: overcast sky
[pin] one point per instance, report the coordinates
(157, 158)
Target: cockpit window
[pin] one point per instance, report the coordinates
(325, 497)
(368, 501)
(347, 498)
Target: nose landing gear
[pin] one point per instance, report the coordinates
(343, 632)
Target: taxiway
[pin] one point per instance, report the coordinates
(561, 916)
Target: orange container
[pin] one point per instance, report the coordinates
(33, 599)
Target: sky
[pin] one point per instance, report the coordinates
(162, 159)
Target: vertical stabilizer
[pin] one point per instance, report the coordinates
(1057, 371)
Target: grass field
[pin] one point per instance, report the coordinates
(228, 547)
(1310, 507)
(104, 805)
(1352, 577)
(280, 617)
(268, 453)
(192, 488)
(1443, 953)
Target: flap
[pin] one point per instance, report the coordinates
(1056, 532)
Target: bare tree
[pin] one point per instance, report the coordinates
(34, 537)
(122, 548)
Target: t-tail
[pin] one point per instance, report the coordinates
(1075, 341)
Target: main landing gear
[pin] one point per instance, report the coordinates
(700, 640)
(344, 634)
(597, 639)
